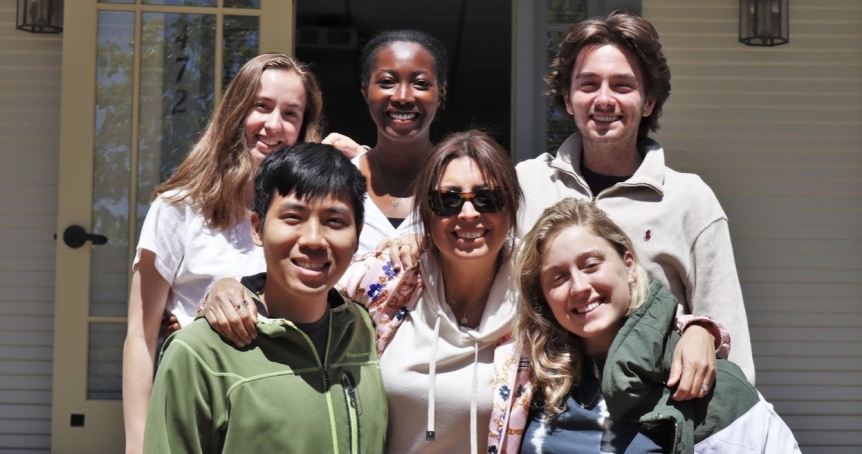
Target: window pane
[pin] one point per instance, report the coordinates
(566, 11)
(177, 86)
(241, 43)
(248, 4)
(182, 2)
(105, 361)
(111, 162)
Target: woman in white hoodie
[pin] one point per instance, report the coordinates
(443, 325)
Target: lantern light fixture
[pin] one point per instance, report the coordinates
(40, 16)
(764, 22)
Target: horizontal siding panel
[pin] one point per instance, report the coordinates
(808, 290)
(781, 246)
(27, 353)
(825, 392)
(817, 407)
(9, 397)
(821, 363)
(793, 349)
(27, 368)
(25, 444)
(26, 323)
(798, 319)
(762, 305)
(803, 334)
(26, 427)
(27, 339)
(793, 261)
(25, 412)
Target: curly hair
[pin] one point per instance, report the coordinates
(219, 168)
(624, 30)
(557, 354)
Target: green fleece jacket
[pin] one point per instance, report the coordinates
(636, 372)
(275, 395)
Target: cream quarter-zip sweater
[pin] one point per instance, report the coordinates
(676, 223)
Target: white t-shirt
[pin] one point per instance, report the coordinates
(190, 255)
(377, 226)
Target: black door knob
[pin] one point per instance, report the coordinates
(75, 236)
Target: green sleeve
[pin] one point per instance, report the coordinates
(180, 417)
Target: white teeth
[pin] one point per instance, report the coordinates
(587, 308)
(604, 119)
(268, 143)
(472, 235)
(403, 115)
(309, 265)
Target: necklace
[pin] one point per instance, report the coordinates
(598, 390)
(395, 202)
(464, 320)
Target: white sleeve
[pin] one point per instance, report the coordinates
(163, 233)
(715, 290)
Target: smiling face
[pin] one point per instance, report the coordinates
(468, 235)
(276, 116)
(607, 97)
(307, 245)
(586, 284)
(403, 93)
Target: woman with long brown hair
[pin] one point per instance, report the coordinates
(198, 228)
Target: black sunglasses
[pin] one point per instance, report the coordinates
(449, 203)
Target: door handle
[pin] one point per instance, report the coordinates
(75, 236)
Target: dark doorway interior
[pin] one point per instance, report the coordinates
(477, 33)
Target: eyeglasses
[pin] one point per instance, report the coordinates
(449, 203)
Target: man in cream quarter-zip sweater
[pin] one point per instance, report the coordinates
(611, 77)
(311, 381)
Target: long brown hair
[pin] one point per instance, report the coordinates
(219, 167)
(557, 354)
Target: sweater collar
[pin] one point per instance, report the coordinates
(649, 174)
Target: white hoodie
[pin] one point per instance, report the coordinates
(433, 364)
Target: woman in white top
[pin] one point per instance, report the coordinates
(198, 228)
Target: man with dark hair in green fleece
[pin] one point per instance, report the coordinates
(311, 380)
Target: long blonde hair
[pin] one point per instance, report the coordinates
(556, 353)
(219, 167)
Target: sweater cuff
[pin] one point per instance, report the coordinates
(718, 331)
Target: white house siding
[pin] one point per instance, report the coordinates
(29, 127)
(777, 133)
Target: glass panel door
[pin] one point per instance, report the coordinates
(132, 106)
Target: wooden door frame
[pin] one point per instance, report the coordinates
(75, 194)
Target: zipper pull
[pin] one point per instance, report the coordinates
(326, 377)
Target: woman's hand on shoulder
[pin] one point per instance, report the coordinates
(693, 369)
(344, 144)
(403, 251)
(231, 312)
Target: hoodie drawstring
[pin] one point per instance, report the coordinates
(432, 379)
(474, 399)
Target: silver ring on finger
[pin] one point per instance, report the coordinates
(704, 388)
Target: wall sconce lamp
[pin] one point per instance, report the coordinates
(764, 22)
(40, 16)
